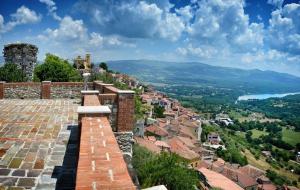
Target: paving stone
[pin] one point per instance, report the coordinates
(18, 173)
(26, 182)
(33, 173)
(8, 181)
(15, 163)
(39, 164)
(27, 166)
(4, 172)
(15, 188)
(46, 186)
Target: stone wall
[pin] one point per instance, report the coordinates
(66, 90)
(125, 141)
(45, 90)
(22, 90)
(23, 55)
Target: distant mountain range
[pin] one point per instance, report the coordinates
(200, 74)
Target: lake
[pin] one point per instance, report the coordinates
(264, 96)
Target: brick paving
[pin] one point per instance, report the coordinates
(38, 144)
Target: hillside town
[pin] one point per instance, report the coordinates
(179, 131)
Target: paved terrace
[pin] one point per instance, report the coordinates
(38, 144)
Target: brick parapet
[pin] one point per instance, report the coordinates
(125, 113)
(2, 89)
(46, 89)
(101, 164)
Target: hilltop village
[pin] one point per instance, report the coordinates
(170, 127)
(133, 115)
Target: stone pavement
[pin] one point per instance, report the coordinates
(38, 144)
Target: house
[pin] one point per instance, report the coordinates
(163, 145)
(178, 147)
(147, 144)
(211, 179)
(154, 130)
(214, 138)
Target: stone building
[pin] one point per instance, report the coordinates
(22, 54)
(83, 63)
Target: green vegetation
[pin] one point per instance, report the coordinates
(103, 66)
(287, 109)
(290, 136)
(163, 169)
(159, 111)
(11, 73)
(56, 69)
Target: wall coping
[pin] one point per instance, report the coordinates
(125, 91)
(93, 109)
(88, 92)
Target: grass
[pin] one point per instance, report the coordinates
(263, 165)
(257, 133)
(290, 136)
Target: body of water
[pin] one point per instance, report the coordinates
(264, 96)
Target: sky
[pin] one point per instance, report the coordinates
(248, 34)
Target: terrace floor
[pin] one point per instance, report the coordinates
(38, 144)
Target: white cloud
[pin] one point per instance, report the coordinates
(134, 19)
(284, 29)
(219, 22)
(201, 51)
(276, 3)
(51, 6)
(96, 39)
(23, 15)
(69, 29)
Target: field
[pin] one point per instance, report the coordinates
(257, 133)
(290, 136)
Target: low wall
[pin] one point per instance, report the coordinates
(35, 90)
(27, 90)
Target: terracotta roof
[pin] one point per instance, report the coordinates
(159, 131)
(217, 180)
(147, 144)
(151, 138)
(268, 186)
(178, 147)
(251, 171)
(187, 141)
(242, 179)
(162, 144)
(186, 131)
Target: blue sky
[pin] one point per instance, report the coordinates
(262, 34)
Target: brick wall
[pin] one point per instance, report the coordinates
(100, 164)
(125, 115)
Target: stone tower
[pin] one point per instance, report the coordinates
(22, 54)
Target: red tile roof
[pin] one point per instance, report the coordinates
(159, 131)
(147, 144)
(178, 147)
(217, 180)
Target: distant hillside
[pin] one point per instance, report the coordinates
(199, 74)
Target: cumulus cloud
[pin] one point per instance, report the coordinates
(69, 29)
(221, 22)
(276, 3)
(134, 19)
(284, 29)
(201, 51)
(23, 15)
(51, 6)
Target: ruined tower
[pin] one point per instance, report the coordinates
(22, 54)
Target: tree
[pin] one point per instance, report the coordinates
(163, 169)
(11, 73)
(103, 66)
(159, 111)
(56, 69)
